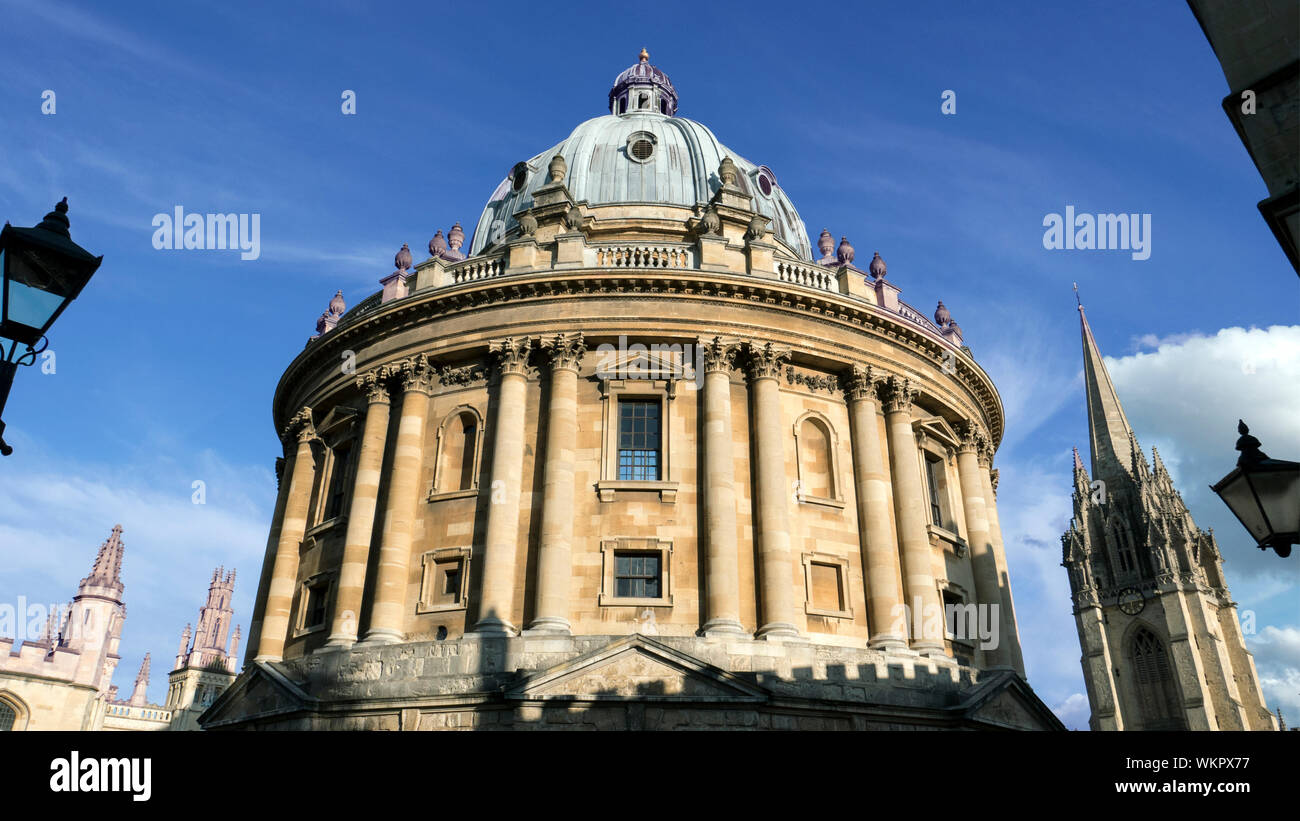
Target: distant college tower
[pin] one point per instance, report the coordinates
(205, 663)
(1162, 646)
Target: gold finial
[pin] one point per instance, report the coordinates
(645, 55)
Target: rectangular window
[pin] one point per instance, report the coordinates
(933, 469)
(638, 439)
(827, 588)
(314, 607)
(637, 575)
(447, 582)
(338, 479)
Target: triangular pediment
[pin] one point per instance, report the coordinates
(639, 669)
(666, 362)
(939, 428)
(1006, 701)
(260, 690)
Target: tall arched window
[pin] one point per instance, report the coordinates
(815, 459)
(458, 445)
(7, 717)
(1153, 679)
(815, 446)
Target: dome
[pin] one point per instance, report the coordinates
(642, 156)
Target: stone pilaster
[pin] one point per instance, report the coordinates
(388, 613)
(875, 498)
(988, 588)
(361, 512)
(1010, 629)
(497, 597)
(776, 566)
(926, 621)
(284, 573)
(555, 550)
(718, 492)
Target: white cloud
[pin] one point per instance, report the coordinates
(1277, 660)
(1074, 711)
(1186, 397)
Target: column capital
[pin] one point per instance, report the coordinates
(862, 382)
(300, 427)
(565, 350)
(416, 374)
(898, 394)
(973, 439)
(718, 353)
(765, 360)
(510, 355)
(374, 384)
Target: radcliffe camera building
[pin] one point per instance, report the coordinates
(1162, 644)
(637, 456)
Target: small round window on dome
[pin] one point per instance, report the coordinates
(519, 176)
(765, 185)
(643, 149)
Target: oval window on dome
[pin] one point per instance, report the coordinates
(641, 146)
(765, 185)
(519, 176)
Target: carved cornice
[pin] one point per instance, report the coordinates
(374, 384)
(812, 382)
(416, 374)
(897, 394)
(565, 351)
(461, 377)
(510, 355)
(862, 382)
(360, 329)
(765, 360)
(719, 353)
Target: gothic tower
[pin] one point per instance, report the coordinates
(93, 626)
(1162, 646)
(205, 666)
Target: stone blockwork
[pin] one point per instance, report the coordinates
(628, 683)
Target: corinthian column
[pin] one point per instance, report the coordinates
(284, 573)
(554, 554)
(361, 513)
(1010, 630)
(388, 613)
(776, 568)
(909, 509)
(718, 491)
(879, 548)
(983, 564)
(497, 598)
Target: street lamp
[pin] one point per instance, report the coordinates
(1264, 494)
(44, 270)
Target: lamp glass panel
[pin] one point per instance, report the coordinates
(1279, 490)
(1237, 495)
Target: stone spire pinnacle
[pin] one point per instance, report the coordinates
(139, 694)
(1078, 463)
(107, 570)
(1112, 440)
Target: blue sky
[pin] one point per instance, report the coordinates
(166, 365)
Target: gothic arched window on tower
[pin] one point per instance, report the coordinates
(8, 715)
(1153, 680)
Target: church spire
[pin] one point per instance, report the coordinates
(139, 694)
(1111, 437)
(107, 571)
